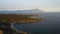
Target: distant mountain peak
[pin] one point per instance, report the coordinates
(36, 9)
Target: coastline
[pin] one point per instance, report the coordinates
(13, 18)
(18, 18)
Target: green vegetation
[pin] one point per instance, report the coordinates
(18, 18)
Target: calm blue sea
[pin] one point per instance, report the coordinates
(51, 24)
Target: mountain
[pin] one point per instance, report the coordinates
(37, 10)
(33, 11)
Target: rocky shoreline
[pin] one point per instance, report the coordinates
(7, 19)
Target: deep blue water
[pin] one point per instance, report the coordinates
(51, 24)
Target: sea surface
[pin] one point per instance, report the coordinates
(51, 24)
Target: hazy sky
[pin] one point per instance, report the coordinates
(46, 5)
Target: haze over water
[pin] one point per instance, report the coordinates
(46, 5)
(51, 24)
(51, 8)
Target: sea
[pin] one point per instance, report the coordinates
(50, 24)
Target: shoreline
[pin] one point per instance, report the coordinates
(18, 18)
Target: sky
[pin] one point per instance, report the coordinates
(46, 5)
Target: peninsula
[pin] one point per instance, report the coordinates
(18, 18)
